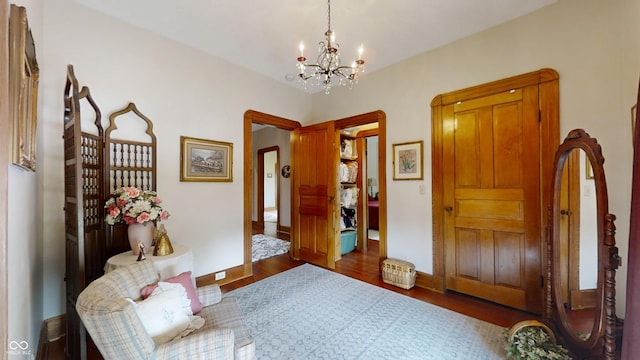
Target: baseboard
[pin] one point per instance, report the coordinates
(232, 274)
(52, 329)
(428, 281)
(583, 299)
(257, 227)
(284, 229)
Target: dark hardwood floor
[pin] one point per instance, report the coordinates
(364, 266)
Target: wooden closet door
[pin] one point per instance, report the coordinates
(492, 198)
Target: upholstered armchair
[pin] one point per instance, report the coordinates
(110, 316)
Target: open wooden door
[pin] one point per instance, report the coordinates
(314, 181)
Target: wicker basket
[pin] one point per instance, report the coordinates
(530, 323)
(399, 273)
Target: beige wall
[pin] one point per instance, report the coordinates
(24, 251)
(594, 46)
(184, 92)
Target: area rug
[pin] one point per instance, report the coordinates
(271, 216)
(266, 246)
(312, 313)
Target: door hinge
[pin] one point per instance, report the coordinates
(541, 281)
(539, 115)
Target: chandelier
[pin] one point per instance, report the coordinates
(328, 70)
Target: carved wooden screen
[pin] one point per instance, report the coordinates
(127, 163)
(84, 207)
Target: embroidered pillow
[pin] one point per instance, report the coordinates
(163, 314)
(183, 279)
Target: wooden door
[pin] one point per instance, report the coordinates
(491, 164)
(314, 179)
(569, 231)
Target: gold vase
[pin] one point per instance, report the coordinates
(163, 246)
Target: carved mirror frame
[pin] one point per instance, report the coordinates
(601, 342)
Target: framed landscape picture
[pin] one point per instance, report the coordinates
(407, 161)
(205, 160)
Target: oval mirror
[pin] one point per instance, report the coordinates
(577, 243)
(582, 255)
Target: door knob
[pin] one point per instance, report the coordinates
(448, 209)
(565, 212)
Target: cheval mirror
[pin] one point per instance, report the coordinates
(581, 252)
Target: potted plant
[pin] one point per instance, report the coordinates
(532, 340)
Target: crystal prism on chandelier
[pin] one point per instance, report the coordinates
(328, 71)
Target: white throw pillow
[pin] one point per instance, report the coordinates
(185, 302)
(166, 313)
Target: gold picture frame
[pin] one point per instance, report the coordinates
(408, 161)
(205, 160)
(23, 89)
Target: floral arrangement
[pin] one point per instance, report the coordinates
(132, 205)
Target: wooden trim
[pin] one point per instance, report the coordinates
(494, 87)
(4, 164)
(574, 226)
(583, 299)
(426, 281)
(548, 87)
(437, 188)
(52, 329)
(363, 216)
(257, 227)
(284, 229)
(233, 274)
(251, 117)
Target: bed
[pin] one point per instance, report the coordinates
(373, 214)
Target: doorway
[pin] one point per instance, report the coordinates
(268, 192)
(251, 188)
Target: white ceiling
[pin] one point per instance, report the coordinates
(263, 35)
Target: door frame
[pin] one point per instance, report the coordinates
(379, 117)
(256, 117)
(549, 117)
(260, 188)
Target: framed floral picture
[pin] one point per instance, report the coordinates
(407, 161)
(205, 160)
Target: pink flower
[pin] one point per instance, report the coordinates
(129, 220)
(132, 191)
(157, 200)
(114, 211)
(164, 215)
(122, 202)
(142, 218)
